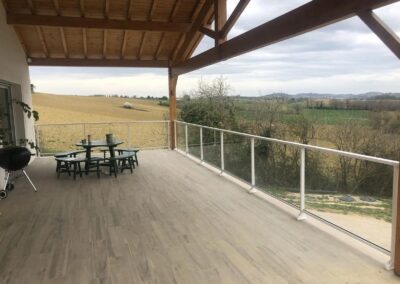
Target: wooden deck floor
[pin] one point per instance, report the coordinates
(172, 221)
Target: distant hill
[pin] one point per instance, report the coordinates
(363, 96)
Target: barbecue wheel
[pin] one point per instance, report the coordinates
(3, 194)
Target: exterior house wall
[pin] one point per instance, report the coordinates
(15, 72)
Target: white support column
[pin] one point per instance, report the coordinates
(201, 144)
(302, 215)
(253, 169)
(222, 152)
(390, 264)
(186, 139)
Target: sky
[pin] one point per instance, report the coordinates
(342, 58)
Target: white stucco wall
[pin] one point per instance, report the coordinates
(14, 70)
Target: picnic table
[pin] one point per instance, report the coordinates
(98, 143)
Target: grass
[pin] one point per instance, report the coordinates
(82, 109)
(381, 209)
(69, 109)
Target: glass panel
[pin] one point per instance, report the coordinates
(144, 135)
(194, 140)
(277, 170)
(353, 194)
(237, 156)
(212, 147)
(180, 136)
(58, 138)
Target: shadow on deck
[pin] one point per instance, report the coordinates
(171, 221)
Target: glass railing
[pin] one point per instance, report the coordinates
(349, 191)
(53, 138)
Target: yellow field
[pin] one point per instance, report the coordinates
(97, 116)
(67, 109)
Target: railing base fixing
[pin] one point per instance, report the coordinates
(221, 173)
(302, 216)
(389, 265)
(252, 190)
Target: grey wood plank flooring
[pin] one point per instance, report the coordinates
(171, 221)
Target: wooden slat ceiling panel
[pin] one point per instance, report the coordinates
(70, 8)
(95, 43)
(133, 40)
(118, 9)
(151, 41)
(52, 39)
(167, 48)
(44, 7)
(31, 41)
(141, 42)
(162, 10)
(140, 9)
(114, 44)
(74, 39)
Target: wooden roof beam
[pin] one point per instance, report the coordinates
(385, 33)
(220, 15)
(77, 22)
(190, 36)
(98, 62)
(308, 17)
(233, 18)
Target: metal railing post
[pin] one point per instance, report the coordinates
(253, 169)
(186, 139)
(201, 144)
(390, 264)
(84, 130)
(302, 215)
(176, 145)
(168, 135)
(222, 152)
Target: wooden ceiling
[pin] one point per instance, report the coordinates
(139, 33)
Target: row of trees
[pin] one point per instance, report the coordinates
(277, 165)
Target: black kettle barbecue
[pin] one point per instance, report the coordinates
(13, 159)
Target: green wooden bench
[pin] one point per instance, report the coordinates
(121, 162)
(73, 165)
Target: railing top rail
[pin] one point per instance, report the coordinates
(305, 146)
(108, 122)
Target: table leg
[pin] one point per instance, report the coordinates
(88, 157)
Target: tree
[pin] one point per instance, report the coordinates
(210, 105)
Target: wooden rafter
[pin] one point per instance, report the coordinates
(191, 35)
(42, 41)
(5, 5)
(98, 62)
(308, 17)
(56, 5)
(123, 45)
(151, 10)
(140, 50)
(104, 43)
(84, 41)
(175, 10)
(106, 8)
(82, 7)
(77, 22)
(32, 7)
(158, 49)
(208, 32)
(64, 42)
(219, 20)
(233, 17)
(129, 10)
(385, 33)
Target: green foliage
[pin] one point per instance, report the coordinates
(210, 105)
